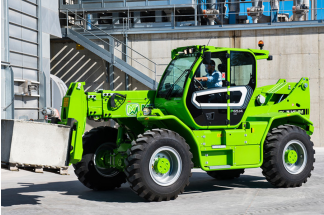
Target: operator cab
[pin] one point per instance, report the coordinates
(210, 106)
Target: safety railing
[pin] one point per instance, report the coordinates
(220, 14)
(128, 54)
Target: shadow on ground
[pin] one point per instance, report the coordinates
(199, 183)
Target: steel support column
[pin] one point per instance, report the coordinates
(111, 75)
(158, 16)
(111, 65)
(137, 17)
(196, 15)
(125, 58)
(314, 10)
(115, 20)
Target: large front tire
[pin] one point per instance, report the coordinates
(91, 174)
(159, 165)
(288, 156)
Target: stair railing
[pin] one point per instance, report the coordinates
(113, 45)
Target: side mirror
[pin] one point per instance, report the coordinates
(206, 57)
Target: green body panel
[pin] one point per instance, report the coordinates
(75, 108)
(216, 158)
(234, 137)
(213, 147)
(297, 99)
(125, 108)
(247, 155)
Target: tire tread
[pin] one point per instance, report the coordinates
(271, 145)
(132, 172)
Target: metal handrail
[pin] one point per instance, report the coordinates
(113, 47)
(109, 35)
(225, 13)
(190, 4)
(221, 24)
(201, 14)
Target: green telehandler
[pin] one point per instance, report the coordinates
(162, 134)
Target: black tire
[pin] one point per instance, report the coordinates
(86, 170)
(226, 174)
(273, 167)
(138, 174)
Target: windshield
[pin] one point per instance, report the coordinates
(175, 69)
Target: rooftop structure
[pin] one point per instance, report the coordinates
(151, 16)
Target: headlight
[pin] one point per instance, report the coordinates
(146, 111)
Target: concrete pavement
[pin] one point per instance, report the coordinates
(26, 192)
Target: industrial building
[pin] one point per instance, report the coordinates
(126, 45)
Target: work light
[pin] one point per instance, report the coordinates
(260, 44)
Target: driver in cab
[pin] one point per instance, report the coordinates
(213, 78)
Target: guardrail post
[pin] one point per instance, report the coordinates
(112, 51)
(196, 15)
(271, 15)
(315, 10)
(173, 16)
(67, 19)
(125, 58)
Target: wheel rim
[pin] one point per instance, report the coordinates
(171, 168)
(294, 157)
(100, 156)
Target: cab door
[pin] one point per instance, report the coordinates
(242, 84)
(209, 106)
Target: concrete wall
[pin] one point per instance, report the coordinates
(296, 53)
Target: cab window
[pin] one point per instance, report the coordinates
(242, 69)
(176, 74)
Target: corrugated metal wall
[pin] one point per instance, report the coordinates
(24, 56)
(30, 25)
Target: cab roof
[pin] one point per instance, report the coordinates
(259, 54)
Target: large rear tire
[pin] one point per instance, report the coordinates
(159, 165)
(288, 156)
(88, 171)
(226, 174)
